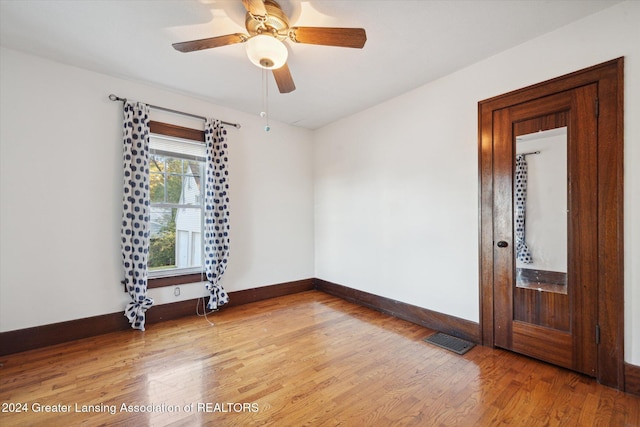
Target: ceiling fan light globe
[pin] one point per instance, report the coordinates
(266, 51)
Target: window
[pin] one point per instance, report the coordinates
(176, 182)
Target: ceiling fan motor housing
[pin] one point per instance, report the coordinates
(276, 22)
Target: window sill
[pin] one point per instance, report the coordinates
(160, 282)
(180, 279)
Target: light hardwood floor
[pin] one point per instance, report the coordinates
(304, 359)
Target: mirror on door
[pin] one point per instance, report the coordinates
(540, 210)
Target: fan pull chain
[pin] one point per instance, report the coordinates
(265, 99)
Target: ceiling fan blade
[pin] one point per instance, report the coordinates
(255, 7)
(284, 79)
(211, 42)
(327, 36)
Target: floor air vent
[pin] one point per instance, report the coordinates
(454, 344)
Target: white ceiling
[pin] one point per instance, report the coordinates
(409, 43)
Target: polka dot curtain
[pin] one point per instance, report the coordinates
(216, 212)
(520, 202)
(134, 233)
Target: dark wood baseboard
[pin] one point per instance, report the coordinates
(632, 379)
(57, 333)
(451, 325)
(273, 291)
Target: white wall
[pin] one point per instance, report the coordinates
(396, 186)
(61, 194)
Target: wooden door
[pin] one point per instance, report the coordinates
(503, 117)
(542, 321)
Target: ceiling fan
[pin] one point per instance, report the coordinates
(268, 27)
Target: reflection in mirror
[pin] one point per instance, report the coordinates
(540, 210)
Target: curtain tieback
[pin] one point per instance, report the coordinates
(135, 311)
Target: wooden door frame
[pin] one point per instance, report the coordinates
(610, 315)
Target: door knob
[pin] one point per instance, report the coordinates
(502, 244)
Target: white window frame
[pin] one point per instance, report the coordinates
(185, 149)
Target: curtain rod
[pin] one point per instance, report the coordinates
(113, 97)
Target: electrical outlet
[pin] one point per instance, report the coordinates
(176, 291)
